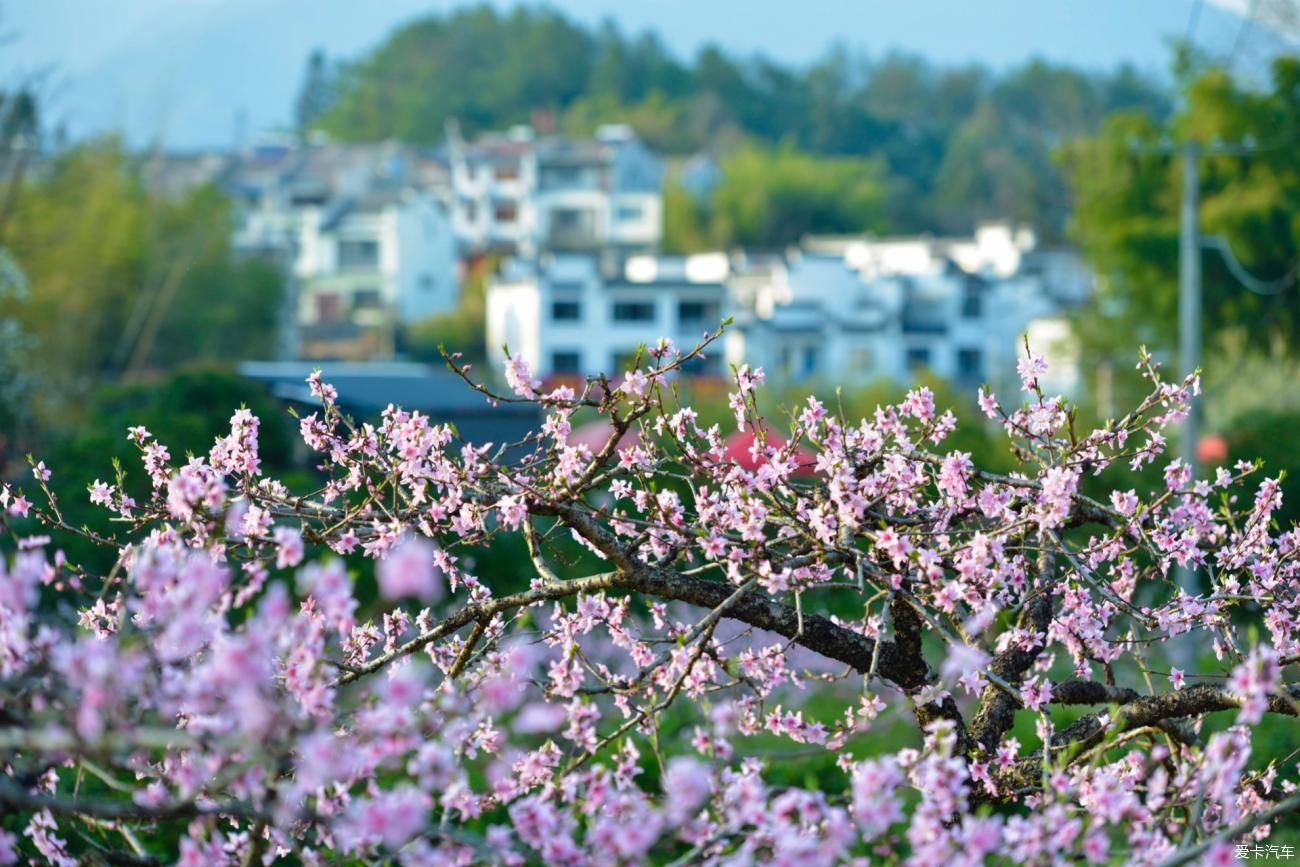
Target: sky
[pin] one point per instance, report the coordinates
(199, 73)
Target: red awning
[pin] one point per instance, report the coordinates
(739, 448)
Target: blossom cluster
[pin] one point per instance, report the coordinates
(686, 630)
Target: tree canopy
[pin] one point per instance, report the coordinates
(1128, 186)
(923, 124)
(771, 198)
(697, 660)
(120, 281)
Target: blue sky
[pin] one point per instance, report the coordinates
(182, 71)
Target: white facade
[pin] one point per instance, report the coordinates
(274, 182)
(568, 316)
(376, 261)
(847, 311)
(493, 185)
(522, 195)
(853, 310)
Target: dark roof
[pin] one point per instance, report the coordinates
(570, 152)
(367, 388)
(372, 201)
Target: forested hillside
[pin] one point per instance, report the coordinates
(955, 144)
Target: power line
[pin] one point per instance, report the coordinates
(1244, 277)
(1190, 244)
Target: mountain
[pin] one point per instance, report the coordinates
(198, 72)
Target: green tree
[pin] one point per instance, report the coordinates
(481, 67)
(770, 198)
(461, 330)
(687, 225)
(1128, 199)
(120, 282)
(956, 144)
(317, 92)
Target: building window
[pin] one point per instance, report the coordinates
(505, 212)
(972, 301)
(506, 173)
(918, 358)
(808, 361)
(568, 219)
(693, 314)
(566, 361)
(711, 365)
(367, 299)
(634, 311)
(970, 365)
(358, 255)
(629, 213)
(566, 311)
(471, 209)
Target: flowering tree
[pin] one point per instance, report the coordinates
(979, 655)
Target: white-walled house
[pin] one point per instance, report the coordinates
(571, 314)
(855, 310)
(843, 310)
(493, 183)
(603, 194)
(369, 263)
(519, 194)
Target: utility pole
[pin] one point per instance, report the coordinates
(1190, 244)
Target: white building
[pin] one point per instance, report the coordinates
(368, 264)
(274, 181)
(836, 310)
(359, 230)
(854, 310)
(493, 182)
(573, 314)
(518, 194)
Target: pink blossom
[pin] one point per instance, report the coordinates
(392, 817)
(409, 570)
(634, 383)
(1036, 693)
(1125, 502)
(962, 659)
(687, 782)
(1030, 368)
(520, 378)
(289, 547)
(101, 494)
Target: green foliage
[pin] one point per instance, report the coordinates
(772, 198)
(476, 65)
(687, 224)
(954, 145)
(317, 93)
(1127, 212)
(184, 411)
(122, 282)
(462, 330)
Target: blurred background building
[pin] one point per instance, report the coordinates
(874, 200)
